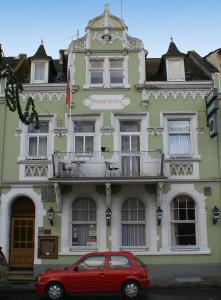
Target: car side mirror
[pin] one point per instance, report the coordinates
(76, 269)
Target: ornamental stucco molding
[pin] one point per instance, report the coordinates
(79, 44)
(146, 95)
(44, 96)
(134, 43)
(99, 38)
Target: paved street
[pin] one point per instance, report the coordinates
(153, 294)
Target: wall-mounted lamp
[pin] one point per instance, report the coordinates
(108, 214)
(51, 214)
(159, 213)
(215, 214)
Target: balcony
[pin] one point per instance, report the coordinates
(108, 165)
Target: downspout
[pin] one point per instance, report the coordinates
(2, 143)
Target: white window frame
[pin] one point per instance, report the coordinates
(169, 67)
(84, 135)
(96, 69)
(46, 71)
(97, 118)
(24, 138)
(201, 217)
(192, 117)
(106, 72)
(128, 222)
(174, 245)
(84, 223)
(38, 135)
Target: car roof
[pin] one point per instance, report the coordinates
(109, 253)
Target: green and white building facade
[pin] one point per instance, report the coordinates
(134, 140)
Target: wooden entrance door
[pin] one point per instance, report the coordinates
(22, 242)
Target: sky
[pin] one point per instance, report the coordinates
(193, 24)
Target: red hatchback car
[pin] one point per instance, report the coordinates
(96, 272)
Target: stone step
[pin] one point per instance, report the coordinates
(20, 276)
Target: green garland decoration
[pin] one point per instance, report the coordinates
(12, 91)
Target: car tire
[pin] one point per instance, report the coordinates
(131, 289)
(55, 291)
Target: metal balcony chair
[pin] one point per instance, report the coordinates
(112, 168)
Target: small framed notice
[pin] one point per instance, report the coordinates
(48, 246)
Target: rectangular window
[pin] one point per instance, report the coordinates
(116, 71)
(130, 147)
(179, 137)
(84, 132)
(97, 71)
(39, 71)
(38, 140)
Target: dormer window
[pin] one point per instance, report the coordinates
(175, 69)
(39, 72)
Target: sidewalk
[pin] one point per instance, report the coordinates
(155, 283)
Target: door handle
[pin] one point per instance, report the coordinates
(102, 274)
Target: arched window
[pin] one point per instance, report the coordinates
(183, 221)
(133, 223)
(84, 223)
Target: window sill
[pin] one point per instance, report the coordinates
(183, 158)
(93, 88)
(34, 161)
(83, 249)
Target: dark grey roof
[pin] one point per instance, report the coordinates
(196, 68)
(40, 53)
(173, 51)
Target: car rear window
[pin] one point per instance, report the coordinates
(119, 261)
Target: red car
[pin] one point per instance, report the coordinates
(96, 272)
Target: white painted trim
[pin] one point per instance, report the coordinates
(150, 211)
(142, 67)
(201, 225)
(46, 71)
(66, 219)
(5, 208)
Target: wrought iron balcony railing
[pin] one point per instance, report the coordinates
(108, 164)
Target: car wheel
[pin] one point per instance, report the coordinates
(131, 289)
(55, 291)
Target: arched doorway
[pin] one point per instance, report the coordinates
(22, 233)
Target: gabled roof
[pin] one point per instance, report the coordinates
(218, 51)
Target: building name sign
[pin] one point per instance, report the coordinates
(106, 102)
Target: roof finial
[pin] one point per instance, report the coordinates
(77, 35)
(106, 15)
(42, 41)
(171, 38)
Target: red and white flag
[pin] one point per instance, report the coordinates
(68, 92)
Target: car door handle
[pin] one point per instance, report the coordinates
(102, 274)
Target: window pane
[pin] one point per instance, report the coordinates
(43, 128)
(79, 144)
(185, 234)
(179, 126)
(184, 141)
(89, 144)
(96, 64)
(179, 144)
(32, 146)
(116, 63)
(42, 151)
(130, 126)
(116, 76)
(96, 77)
(133, 235)
(84, 126)
(174, 144)
(125, 167)
(125, 143)
(92, 263)
(118, 261)
(84, 209)
(39, 71)
(135, 166)
(135, 143)
(84, 235)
